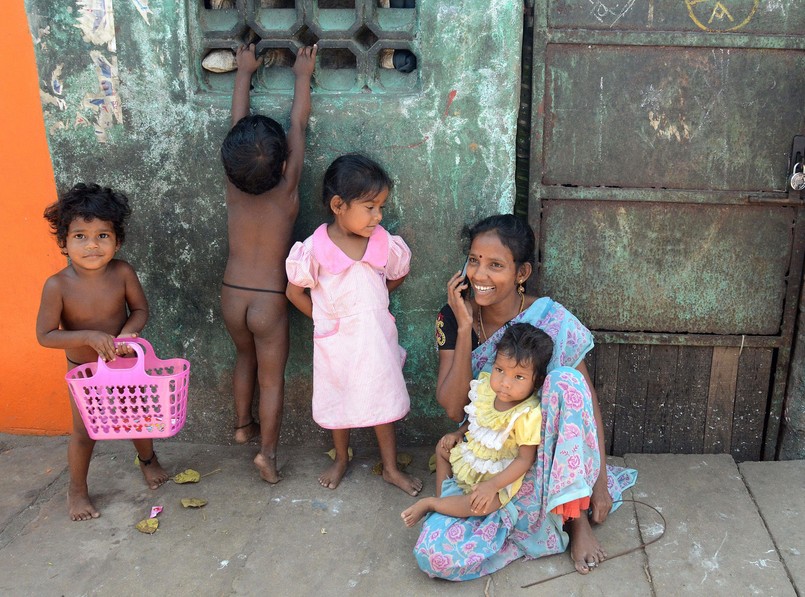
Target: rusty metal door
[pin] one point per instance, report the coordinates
(660, 142)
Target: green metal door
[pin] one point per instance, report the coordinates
(660, 141)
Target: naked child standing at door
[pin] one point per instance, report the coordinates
(263, 169)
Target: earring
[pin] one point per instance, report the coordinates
(520, 288)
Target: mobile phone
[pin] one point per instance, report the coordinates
(465, 280)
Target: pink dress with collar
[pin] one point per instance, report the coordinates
(357, 361)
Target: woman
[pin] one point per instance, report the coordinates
(549, 511)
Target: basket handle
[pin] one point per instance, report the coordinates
(139, 345)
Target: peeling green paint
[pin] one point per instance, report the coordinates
(449, 148)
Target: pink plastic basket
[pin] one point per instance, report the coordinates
(131, 399)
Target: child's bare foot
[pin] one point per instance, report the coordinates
(267, 465)
(153, 472)
(331, 477)
(585, 550)
(245, 433)
(414, 514)
(80, 506)
(410, 485)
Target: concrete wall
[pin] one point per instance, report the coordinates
(127, 105)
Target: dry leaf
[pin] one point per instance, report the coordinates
(193, 502)
(189, 476)
(331, 453)
(147, 525)
(432, 463)
(403, 460)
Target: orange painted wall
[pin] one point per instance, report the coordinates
(33, 393)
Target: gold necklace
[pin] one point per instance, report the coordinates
(481, 317)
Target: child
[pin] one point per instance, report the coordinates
(262, 199)
(93, 300)
(350, 266)
(503, 427)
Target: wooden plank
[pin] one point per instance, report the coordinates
(606, 384)
(630, 397)
(752, 395)
(589, 360)
(659, 399)
(794, 278)
(689, 401)
(721, 400)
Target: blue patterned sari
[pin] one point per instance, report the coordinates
(567, 465)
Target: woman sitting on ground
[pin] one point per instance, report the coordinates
(570, 479)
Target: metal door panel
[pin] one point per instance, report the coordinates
(681, 118)
(659, 267)
(660, 134)
(744, 16)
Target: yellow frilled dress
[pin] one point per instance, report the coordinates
(493, 438)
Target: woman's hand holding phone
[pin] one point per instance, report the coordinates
(458, 290)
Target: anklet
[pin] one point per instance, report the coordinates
(148, 462)
(249, 424)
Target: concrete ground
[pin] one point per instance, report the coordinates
(732, 529)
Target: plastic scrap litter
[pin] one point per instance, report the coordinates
(188, 476)
(151, 524)
(403, 460)
(193, 502)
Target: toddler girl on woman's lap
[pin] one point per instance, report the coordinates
(349, 267)
(502, 429)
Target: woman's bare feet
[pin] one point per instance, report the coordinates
(414, 514)
(267, 465)
(80, 506)
(585, 550)
(153, 472)
(410, 485)
(333, 474)
(247, 432)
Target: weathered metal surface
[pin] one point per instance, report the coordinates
(667, 268)
(744, 16)
(659, 157)
(670, 117)
(779, 198)
(448, 141)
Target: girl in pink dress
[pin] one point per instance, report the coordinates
(349, 267)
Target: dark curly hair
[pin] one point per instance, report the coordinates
(253, 153)
(353, 176)
(88, 202)
(527, 345)
(514, 233)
